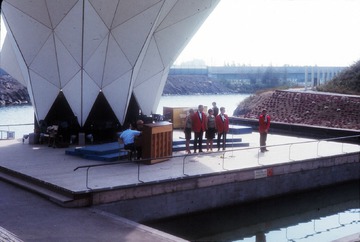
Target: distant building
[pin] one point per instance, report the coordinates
(243, 74)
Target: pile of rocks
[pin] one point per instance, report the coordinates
(194, 85)
(12, 92)
(310, 108)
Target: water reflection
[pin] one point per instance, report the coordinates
(322, 215)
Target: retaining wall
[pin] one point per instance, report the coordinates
(198, 193)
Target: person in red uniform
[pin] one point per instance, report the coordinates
(198, 126)
(222, 126)
(264, 125)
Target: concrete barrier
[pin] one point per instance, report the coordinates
(197, 193)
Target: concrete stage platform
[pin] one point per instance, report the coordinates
(51, 173)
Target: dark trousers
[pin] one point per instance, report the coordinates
(198, 140)
(263, 137)
(221, 137)
(133, 148)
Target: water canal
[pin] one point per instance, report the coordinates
(321, 215)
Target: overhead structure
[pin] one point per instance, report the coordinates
(82, 48)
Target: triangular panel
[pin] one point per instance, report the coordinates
(44, 94)
(69, 32)
(127, 10)
(116, 64)
(158, 94)
(35, 9)
(166, 8)
(173, 39)
(68, 67)
(72, 93)
(58, 10)
(9, 61)
(94, 31)
(146, 93)
(30, 35)
(151, 65)
(118, 95)
(11, 65)
(132, 42)
(95, 66)
(90, 93)
(47, 69)
(106, 10)
(184, 9)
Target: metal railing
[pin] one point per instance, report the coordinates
(7, 134)
(14, 125)
(141, 162)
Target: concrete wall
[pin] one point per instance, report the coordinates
(193, 194)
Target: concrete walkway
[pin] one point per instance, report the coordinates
(29, 218)
(32, 218)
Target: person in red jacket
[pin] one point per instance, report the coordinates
(222, 126)
(264, 125)
(198, 126)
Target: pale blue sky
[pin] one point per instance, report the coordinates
(279, 32)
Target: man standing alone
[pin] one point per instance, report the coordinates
(264, 125)
(198, 125)
(222, 126)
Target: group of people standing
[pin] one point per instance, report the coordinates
(214, 122)
(217, 123)
(211, 124)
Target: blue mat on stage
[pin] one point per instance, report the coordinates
(238, 129)
(114, 151)
(102, 152)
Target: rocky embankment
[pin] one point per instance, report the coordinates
(12, 92)
(310, 108)
(193, 84)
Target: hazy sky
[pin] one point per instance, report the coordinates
(278, 32)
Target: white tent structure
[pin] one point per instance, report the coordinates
(81, 48)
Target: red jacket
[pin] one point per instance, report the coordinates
(264, 123)
(197, 124)
(222, 126)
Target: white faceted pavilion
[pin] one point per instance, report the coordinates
(81, 48)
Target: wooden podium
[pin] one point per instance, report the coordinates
(157, 141)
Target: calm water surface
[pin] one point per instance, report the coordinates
(316, 216)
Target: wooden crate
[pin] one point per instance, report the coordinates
(157, 141)
(177, 115)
